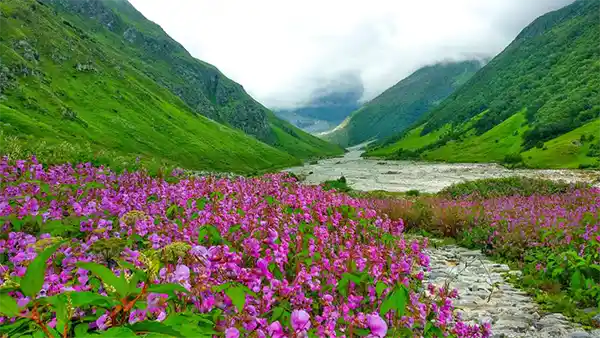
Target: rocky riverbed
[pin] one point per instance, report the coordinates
(367, 175)
(485, 296)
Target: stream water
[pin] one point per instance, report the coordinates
(371, 174)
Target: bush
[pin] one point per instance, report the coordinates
(413, 192)
(513, 159)
(339, 185)
(508, 186)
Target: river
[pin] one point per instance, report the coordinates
(371, 174)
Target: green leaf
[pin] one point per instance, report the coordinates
(214, 236)
(201, 203)
(33, 280)
(237, 294)
(576, 280)
(81, 329)
(171, 211)
(45, 188)
(396, 300)
(219, 288)
(57, 227)
(168, 288)
(379, 288)
(270, 200)
(401, 299)
(191, 325)
(82, 298)
(387, 304)
(342, 286)
(277, 312)
(17, 326)
(8, 306)
(107, 276)
(557, 272)
(117, 332)
(62, 314)
(154, 326)
(361, 332)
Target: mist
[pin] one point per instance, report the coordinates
(283, 52)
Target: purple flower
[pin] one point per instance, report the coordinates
(103, 322)
(232, 332)
(377, 325)
(199, 250)
(300, 320)
(182, 273)
(275, 330)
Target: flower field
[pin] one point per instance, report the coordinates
(553, 236)
(87, 252)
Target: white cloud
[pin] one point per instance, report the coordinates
(280, 51)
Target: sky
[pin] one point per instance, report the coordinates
(281, 51)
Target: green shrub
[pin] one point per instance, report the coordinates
(507, 186)
(339, 185)
(413, 192)
(512, 159)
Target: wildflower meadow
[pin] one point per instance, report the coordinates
(88, 252)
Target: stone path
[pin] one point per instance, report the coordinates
(484, 295)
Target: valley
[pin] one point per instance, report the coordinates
(145, 193)
(371, 174)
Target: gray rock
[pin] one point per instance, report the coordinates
(485, 296)
(596, 319)
(27, 51)
(513, 325)
(515, 273)
(86, 67)
(553, 332)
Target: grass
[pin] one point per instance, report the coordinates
(411, 141)
(498, 144)
(492, 146)
(567, 150)
(118, 107)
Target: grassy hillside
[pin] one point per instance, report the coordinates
(98, 73)
(540, 93)
(400, 106)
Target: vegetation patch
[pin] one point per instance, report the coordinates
(549, 230)
(86, 251)
(508, 186)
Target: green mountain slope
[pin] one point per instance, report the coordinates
(542, 88)
(401, 105)
(98, 72)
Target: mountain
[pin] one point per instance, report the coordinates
(98, 72)
(327, 106)
(403, 104)
(535, 104)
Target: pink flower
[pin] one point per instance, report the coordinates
(232, 332)
(103, 322)
(377, 325)
(275, 330)
(300, 320)
(182, 273)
